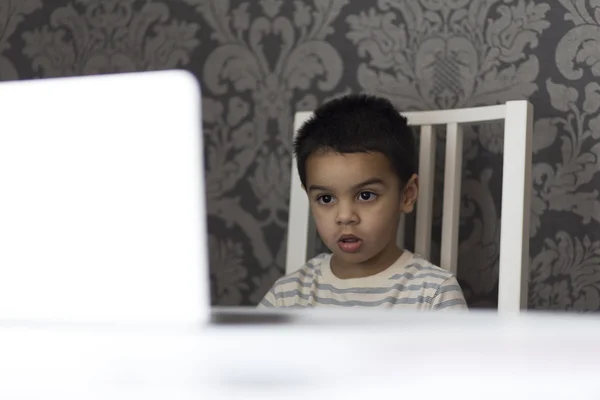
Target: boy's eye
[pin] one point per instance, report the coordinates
(366, 196)
(325, 199)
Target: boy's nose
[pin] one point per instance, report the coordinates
(346, 215)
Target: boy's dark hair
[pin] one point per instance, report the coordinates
(356, 124)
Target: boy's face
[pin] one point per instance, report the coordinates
(356, 202)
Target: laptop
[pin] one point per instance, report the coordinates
(102, 206)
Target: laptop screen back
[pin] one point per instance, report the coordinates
(102, 214)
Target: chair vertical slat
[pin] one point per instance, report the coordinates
(311, 242)
(401, 232)
(299, 222)
(452, 186)
(516, 203)
(426, 186)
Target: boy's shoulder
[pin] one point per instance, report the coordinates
(308, 272)
(412, 266)
(436, 286)
(297, 284)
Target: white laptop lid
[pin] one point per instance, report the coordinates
(102, 214)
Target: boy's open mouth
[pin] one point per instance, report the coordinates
(349, 243)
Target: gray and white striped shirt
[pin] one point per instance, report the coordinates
(410, 282)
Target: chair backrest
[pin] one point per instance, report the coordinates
(516, 193)
(102, 215)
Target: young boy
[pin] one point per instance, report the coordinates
(356, 161)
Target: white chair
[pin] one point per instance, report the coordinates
(516, 193)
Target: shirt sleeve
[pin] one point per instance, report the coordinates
(269, 301)
(449, 296)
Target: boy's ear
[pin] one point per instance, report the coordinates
(410, 194)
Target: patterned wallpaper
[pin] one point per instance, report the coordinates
(261, 60)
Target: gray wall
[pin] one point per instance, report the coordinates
(259, 61)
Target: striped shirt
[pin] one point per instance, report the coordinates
(410, 282)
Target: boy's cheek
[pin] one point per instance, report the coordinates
(323, 229)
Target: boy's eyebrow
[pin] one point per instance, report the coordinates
(370, 181)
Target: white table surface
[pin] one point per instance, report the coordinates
(316, 355)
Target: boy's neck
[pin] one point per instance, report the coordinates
(372, 266)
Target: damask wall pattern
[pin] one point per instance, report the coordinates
(259, 61)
